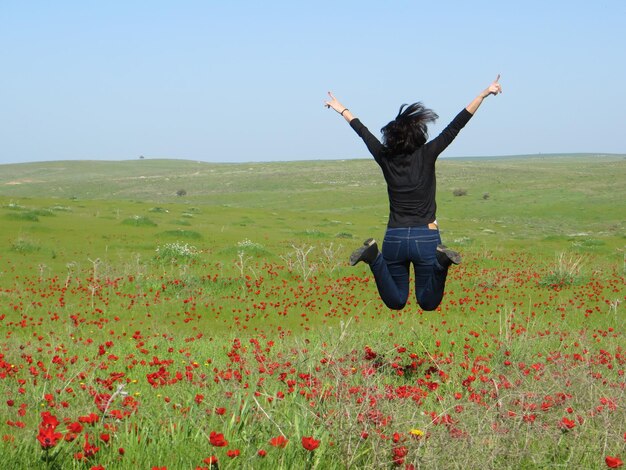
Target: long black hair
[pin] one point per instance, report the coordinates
(409, 130)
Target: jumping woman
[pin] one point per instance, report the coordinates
(407, 161)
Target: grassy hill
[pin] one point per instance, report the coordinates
(506, 202)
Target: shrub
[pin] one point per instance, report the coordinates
(176, 252)
(565, 272)
(139, 221)
(22, 245)
(27, 216)
(459, 192)
(344, 235)
(189, 234)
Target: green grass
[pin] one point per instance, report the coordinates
(252, 306)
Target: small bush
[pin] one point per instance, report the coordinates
(175, 253)
(139, 221)
(14, 206)
(459, 192)
(22, 245)
(313, 233)
(565, 272)
(344, 235)
(25, 216)
(181, 222)
(188, 234)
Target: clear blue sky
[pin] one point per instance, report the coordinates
(227, 81)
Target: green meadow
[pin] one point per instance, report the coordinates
(538, 204)
(179, 314)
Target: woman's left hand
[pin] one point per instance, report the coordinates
(334, 103)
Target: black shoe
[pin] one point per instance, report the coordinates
(366, 253)
(446, 256)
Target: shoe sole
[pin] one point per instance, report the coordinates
(357, 255)
(453, 256)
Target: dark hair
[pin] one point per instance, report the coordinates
(409, 130)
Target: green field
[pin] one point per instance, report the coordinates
(181, 300)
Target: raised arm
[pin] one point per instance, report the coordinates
(493, 89)
(337, 106)
(372, 143)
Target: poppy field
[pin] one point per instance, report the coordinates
(224, 328)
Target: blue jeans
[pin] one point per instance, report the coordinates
(401, 247)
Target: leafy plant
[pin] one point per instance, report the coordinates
(175, 253)
(564, 272)
(139, 221)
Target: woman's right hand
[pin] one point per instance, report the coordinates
(494, 88)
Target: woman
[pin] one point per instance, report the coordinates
(407, 161)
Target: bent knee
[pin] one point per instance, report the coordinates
(429, 306)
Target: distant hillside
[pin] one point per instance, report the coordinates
(161, 180)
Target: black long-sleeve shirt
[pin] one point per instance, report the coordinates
(411, 182)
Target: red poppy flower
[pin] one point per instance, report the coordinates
(279, 441)
(310, 443)
(89, 449)
(211, 461)
(48, 437)
(613, 462)
(75, 427)
(262, 453)
(232, 453)
(49, 420)
(566, 424)
(399, 453)
(217, 439)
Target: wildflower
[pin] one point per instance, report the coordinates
(49, 420)
(75, 427)
(89, 449)
(567, 424)
(613, 462)
(399, 453)
(232, 453)
(217, 439)
(416, 432)
(262, 453)
(211, 461)
(279, 441)
(310, 443)
(48, 437)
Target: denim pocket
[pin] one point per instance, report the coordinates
(425, 249)
(391, 249)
